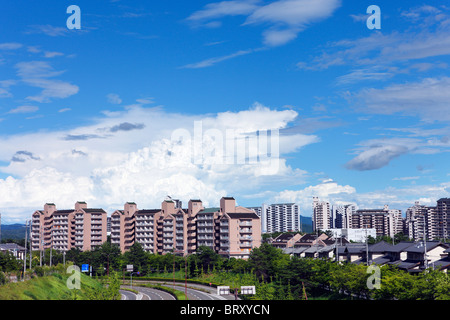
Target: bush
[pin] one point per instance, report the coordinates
(3, 278)
(39, 271)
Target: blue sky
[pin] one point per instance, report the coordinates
(89, 114)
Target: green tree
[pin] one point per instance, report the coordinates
(110, 256)
(8, 262)
(266, 261)
(442, 289)
(207, 257)
(137, 257)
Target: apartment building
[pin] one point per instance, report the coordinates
(81, 227)
(239, 230)
(385, 221)
(341, 216)
(154, 229)
(182, 231)
(321, 217)
(429, 222)
(443, 218)
(418, 221)
(280, 217)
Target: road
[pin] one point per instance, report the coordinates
(155, 294)
(149, 294)
(127, 295)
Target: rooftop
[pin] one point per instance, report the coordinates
(242, 215)
(11, 246)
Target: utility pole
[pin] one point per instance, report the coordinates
(367, 248)
(30, 244)
(51, 251)
(25, 255)
(41, 240)
(425, 243)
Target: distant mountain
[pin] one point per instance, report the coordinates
(12, 231)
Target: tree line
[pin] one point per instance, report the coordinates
(275, 274)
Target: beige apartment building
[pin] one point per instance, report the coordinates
(62, 230)
(229, 230)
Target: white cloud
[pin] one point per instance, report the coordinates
(286, 18)
(38, 74)
(10, 46)
(144, 164)
(376, 157)
(224, 8)
(47, 29)
(328, 190)
(377, 153)
(396, 198)
(279, 37)
(114, 98)
(24, 109)
(427, 99)
(212, 61)
(52, 54)
(429, 37)
(298, 13)
(4, 93)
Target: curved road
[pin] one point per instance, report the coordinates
(127, 295)
(155, 294)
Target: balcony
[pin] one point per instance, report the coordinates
(205, 224)
(210, 237)
(205, 230)
(224, 244)
(205, 218)
(245, 245)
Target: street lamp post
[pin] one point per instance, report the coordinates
(185, 274)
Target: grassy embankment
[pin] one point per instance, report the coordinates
(51, 287)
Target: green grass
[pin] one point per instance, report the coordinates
(52, 287)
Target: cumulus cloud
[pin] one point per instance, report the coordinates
(148, 161)
(335, 193)
(328, 190)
